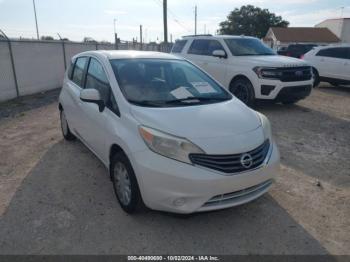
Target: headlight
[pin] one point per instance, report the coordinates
(168, 145)
(267, 72)
(265, 123)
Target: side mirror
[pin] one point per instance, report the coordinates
(219, 53)
(92, 96)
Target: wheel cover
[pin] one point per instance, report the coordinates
(241, 92)
(64, 124)
(122, 183)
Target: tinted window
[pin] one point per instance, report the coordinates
(78, 71)
(160, 82)
(340, 52)
(178, 46)
(70, 70)
(247, 46)
(96, 78)
(204, 47)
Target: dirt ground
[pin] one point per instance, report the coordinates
(55, 196)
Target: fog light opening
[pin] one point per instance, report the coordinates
(179, 202)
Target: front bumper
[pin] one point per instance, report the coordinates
(279, 89)
(172, 186)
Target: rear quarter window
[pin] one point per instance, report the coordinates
(178, 46)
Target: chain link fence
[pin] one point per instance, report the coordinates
(32, 66)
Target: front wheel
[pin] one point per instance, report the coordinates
(316, 77)
(243, 90)
(124, 183)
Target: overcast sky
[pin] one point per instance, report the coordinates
(76, 19)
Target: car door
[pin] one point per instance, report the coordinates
(73, 86)
(201, 53)
(93, 131)
(345, 74)
(332, 62)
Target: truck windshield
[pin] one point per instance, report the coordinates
(165, 83)
(247, 46)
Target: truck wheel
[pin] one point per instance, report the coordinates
(316, 77)
(243, 90)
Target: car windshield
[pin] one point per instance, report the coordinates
(247, 46)
(164, 83)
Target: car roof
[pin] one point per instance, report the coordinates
(217, 36)
(128, 54)
(331, 46)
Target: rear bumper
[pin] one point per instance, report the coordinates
(172, 186)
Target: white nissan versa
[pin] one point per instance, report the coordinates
(171, 136)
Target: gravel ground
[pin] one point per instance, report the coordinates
(56, 198)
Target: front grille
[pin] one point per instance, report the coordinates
(292, 74)
(238, 195)
(233, 163)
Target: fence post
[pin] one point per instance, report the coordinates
(64, 55)
(13, 66)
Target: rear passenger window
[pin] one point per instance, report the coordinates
(341, 52)
(97, 79)
(78, 71)
(204, 47)
(178, 46)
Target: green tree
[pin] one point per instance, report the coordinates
(250, 20)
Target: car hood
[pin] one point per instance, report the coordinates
(214, 127)
(274, 61)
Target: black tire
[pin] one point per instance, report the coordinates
(67, 134)
(316, 77)
(243, 89)
(120, 160)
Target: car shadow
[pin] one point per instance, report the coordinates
(313, 142)
(66, 205)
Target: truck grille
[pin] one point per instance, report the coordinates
(233, 163)
(293, 74)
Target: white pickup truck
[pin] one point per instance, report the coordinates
(248, 68)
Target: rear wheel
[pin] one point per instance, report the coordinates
(67, 134)
(124, 183)
(243, 90)
(316, 77)
(334, 84)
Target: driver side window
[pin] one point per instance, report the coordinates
(96, 78)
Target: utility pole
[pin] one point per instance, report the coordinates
(195, 20)
(165, 20)
(115, 34)
(141, 36)
(205, 28)
(36, 21)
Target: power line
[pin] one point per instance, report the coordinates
(175, 19)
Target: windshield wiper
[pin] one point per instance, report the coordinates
(195, 99)
(146, 103)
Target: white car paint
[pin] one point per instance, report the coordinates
(220, 128)
(330, 69)
(224, 70)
